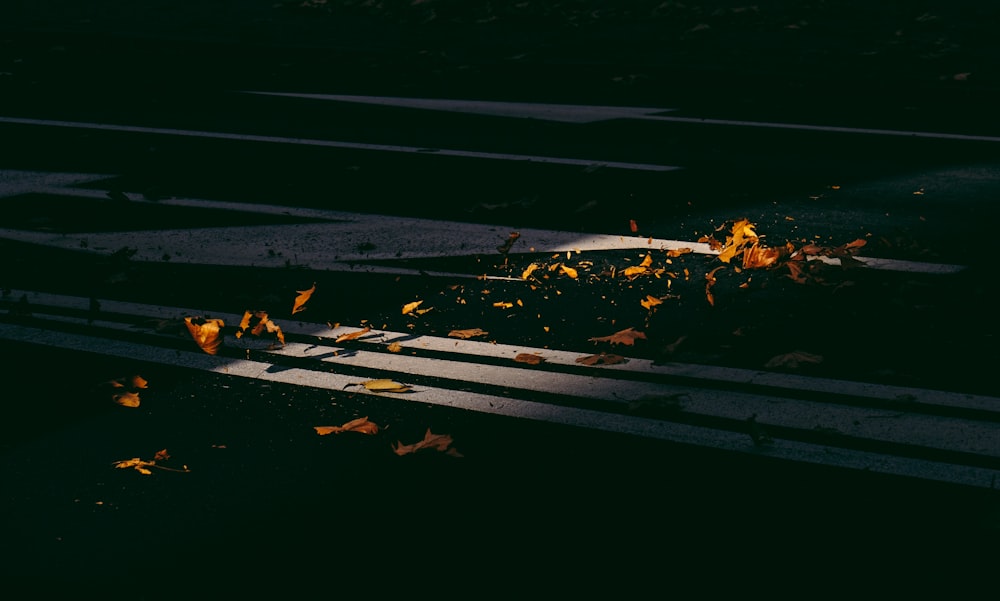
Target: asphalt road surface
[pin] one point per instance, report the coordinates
(156, 166)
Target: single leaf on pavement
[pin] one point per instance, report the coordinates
(383, 385)
(470, 333)
(206, 333)
(412, 308)
(601, 359)
(529, 358)
(302, 298)
(361, 425)
(431, 441)
(627, 337)
(353, 335)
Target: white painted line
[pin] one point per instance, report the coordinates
(337, 245)
(13, 183)
(340, 144)
(886, 425)
(824, 128)
(579, 113)
(496, 405)
(471, 350)
(569, 113)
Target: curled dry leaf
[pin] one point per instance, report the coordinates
(257, 322)
(529, 358)
(302, 298)
(601, 359)
(627, 337)
(353, 335)
(382, 385)
(206, 333)
(361, 425)
(470, 333)
(528, 270)
(431, 441)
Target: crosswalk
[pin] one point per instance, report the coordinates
(912, 432)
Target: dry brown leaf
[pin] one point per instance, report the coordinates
(793, 360)
(302, 298)
(436, 442)
(258, 322)
(627, 337)
(353, 335)
(360, 425)
(206, 333)
(529, 358)
(505, 247)
(470, 333)
(601, 359)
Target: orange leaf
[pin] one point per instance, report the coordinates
(206, 333)
(353, 335)
(633, 226)
(626, 337)
(529, 358)
(361, 425)
(470, 333)
(126, 399)
(394, 347)
(300, 300)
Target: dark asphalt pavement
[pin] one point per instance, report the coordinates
(268, 503)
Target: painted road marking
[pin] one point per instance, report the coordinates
(568, 113)
(338, 244)
(781, 448)
(588, 114)
(474, 350)
(341, 144)
(13, 183)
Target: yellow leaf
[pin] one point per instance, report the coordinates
(528, 270)
(302, 298)
(353, 335)
(650, 302)
(411, 307)
(206, 333)
(394, 347)
(569, 271)
(503, 305)
(383, 385)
